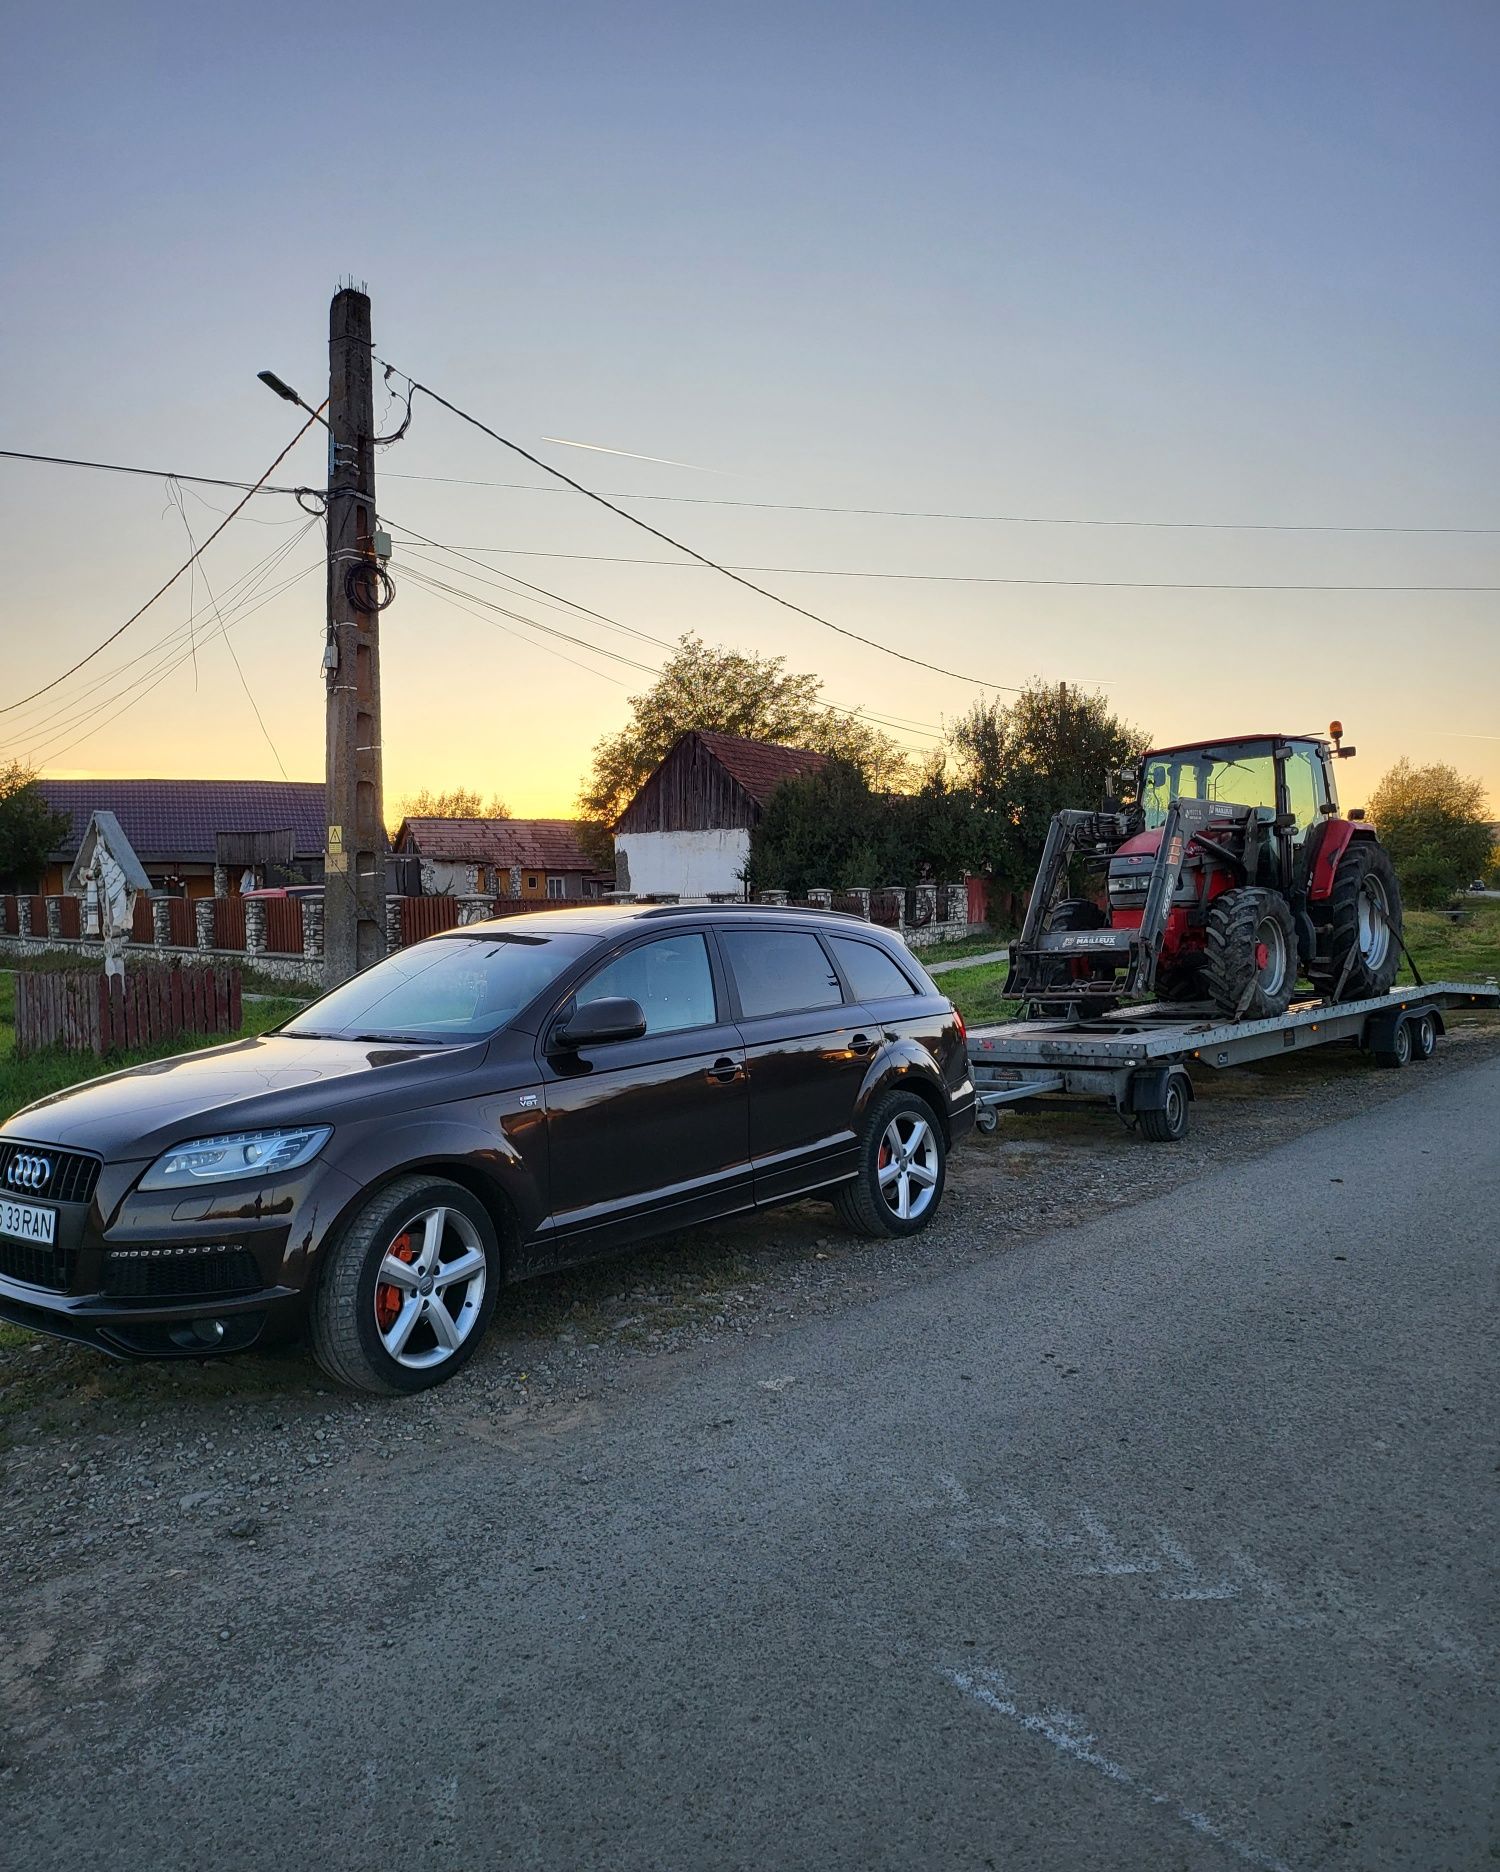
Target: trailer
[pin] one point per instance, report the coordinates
(1137, 1058)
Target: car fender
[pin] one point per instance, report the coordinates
(508, 1163)
(896, 1066)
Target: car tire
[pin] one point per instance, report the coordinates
(358, 1320)
(871, 1203)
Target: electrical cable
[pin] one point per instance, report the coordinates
(942, 578)
(991, 519)
(678, 546)
(9, 706)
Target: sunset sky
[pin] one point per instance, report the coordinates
(1224, 264)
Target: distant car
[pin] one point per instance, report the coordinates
(303, 891)
(494, 1102)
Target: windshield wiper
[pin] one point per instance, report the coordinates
(400, 1039)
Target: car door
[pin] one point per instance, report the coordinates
(653, 1133)
(806, 1052)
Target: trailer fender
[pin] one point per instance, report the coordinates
(1146, 1089)
(1381, 1029)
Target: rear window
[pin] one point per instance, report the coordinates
(453, 988)
(780, 971)
(873, 975)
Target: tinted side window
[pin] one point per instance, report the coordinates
(780, 971)
(873, 975)
(670, 978)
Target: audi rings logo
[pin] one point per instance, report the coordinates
(27, 1171)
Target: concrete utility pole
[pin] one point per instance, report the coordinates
(354, 863)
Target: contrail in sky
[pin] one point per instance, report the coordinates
(598, 448)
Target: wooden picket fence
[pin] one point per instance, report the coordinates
(84, 1011)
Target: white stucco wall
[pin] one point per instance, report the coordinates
(692, 864)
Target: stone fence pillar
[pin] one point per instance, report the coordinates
(203, 921)
(822, 898)
(23, 915)
(161, 921)
(392, 924)
(861, 895)
(770, 897)
(474, 910)
(54, 916)
(255, 926)
(312, 928)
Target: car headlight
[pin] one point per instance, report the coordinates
(240, 1154)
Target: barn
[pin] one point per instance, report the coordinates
(687, 831)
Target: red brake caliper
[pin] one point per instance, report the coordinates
(387, 1297)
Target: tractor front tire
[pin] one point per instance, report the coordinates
(1359, 926)
(1250, 954)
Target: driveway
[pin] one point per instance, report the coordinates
(1159, 1542)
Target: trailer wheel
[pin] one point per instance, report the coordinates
(1423, 1037)
(987, 1119)
(1398, 1049)
(1166, 1123)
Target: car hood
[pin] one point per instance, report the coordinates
(276, 1079)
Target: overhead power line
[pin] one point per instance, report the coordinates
(678, 546)
(161, 590)
(820, 507)
(942, 578)
(989, 519)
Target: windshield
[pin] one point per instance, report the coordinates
(449, 988)
(1243, 775)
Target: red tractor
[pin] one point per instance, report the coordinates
(1231, 876)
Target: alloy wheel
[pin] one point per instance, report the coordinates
(907, 1166)
(429, 1288)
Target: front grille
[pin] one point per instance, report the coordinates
(70, 1179)
(185, 1274)
(36, 1263)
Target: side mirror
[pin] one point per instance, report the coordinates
(596, 1023)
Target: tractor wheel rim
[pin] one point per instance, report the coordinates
(429, 1288)
(907, 1166)
(1271, 973)
(1374, 922)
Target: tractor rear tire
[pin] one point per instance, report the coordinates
(1358, 926)
(1250, 954)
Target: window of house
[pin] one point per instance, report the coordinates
(557, 887)
(781, 971)
(671, 979)
(873, 975)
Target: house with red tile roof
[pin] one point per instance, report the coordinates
(527, 858)
(687, 831)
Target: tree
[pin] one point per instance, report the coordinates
(459, 803)
(831, 830)
(1433, 822)
(1020, 761)
(729, 692)
(29, 828)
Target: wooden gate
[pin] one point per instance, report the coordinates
(283, 925)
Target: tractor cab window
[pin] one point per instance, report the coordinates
(1244, 775)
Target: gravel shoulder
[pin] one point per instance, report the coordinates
(109, 1468)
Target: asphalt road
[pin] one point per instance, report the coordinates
(1159, 1543)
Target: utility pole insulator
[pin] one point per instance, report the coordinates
(354, 859)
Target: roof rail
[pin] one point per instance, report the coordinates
(713, 909)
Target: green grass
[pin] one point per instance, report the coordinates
(22, 1080)
(1447, 951)
(965, 946)
(977, 993)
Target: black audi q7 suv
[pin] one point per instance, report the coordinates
(491, 1103)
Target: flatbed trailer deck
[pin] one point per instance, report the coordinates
(1138, 1057)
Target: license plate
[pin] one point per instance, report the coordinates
(28, 1222)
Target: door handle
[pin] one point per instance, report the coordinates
(725, 1071)
(862, 1045)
